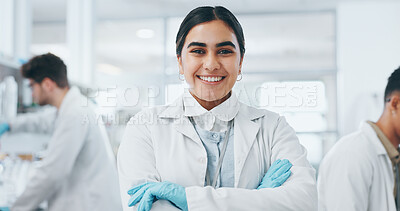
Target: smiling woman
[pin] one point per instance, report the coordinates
(211, 61)
(208, 151)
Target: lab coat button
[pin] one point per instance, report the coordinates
(215, 135)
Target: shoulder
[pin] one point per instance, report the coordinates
(352, 151)
(78, 109)
(144, 123)
(355, 143)
(257, 113)
(149, 116)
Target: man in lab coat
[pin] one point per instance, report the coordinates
(79, 171)
(361, 172)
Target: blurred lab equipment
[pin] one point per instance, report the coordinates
(19, 155)
(9, 98)
(15, 172)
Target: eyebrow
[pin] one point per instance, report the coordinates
(197, 44)
(226, 43)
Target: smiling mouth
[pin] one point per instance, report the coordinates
(211, 79)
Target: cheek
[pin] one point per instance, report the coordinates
(36, 92)
(190, 66)
(232, 66)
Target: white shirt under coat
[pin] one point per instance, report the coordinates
(216, 119)
(160, 144)
(79, 171)
(212, 127)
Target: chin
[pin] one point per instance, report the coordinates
(212, 97)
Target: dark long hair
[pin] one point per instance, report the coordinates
(206, 14)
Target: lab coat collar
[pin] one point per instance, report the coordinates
(72, 93)
(176, 110)
(173, 110)
(373, 138)
(245, 129)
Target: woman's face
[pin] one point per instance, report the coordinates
(210, 60)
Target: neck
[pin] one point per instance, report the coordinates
(211, 104)
(58, 97)
(385, 124)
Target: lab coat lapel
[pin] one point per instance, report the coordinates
(184, 126)
(377, 145)
(181, 122)
(245, 134)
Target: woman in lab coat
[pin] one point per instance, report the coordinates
(169, 152)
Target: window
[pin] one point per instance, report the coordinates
(306, 108)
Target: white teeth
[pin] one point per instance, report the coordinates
(210, 79)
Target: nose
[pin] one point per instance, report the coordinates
(211, 62)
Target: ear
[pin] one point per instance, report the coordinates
(240, 65)
(394, 103)
(179, 58)
(48, 84)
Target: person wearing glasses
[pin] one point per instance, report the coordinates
(207, 150)
(361, 172)
(79, 170)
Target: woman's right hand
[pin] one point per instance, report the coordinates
(276, 175)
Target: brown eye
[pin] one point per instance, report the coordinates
(225, 51)
(197, 51)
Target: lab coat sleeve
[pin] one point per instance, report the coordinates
(63, 149)
(37, 122)
(297, 193)
(136, 164)
(344, 181)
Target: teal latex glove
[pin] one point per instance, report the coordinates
(4, 127)
(4, 209)
(276, 175)
(147, 192)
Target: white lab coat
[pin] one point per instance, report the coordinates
(356, 174)
(160, 144)
(79, 171)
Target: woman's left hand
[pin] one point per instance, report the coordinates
(146, 192)
(276, 175)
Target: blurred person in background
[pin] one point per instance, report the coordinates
(79, 170)
(361, 172)
(208, 151)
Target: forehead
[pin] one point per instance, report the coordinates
(215, 31)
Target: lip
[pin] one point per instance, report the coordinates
(210, 82)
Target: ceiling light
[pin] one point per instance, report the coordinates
(109, 69)
(145, 33)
